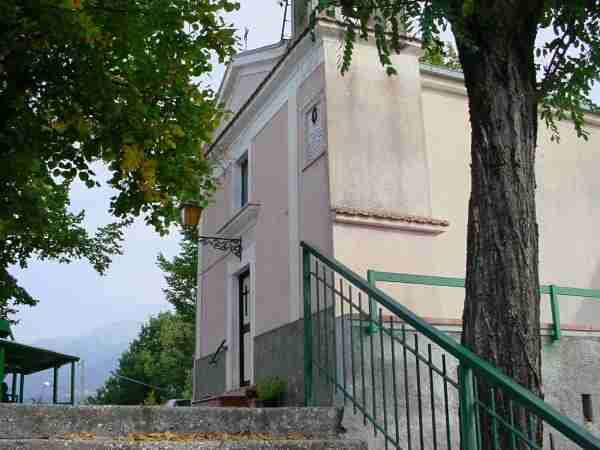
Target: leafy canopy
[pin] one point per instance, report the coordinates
(566, 65)
(181, 275)
(441, 54)
(161, 355)
(160, 358)
(84, 82)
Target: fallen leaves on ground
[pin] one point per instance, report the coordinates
(191, 437)
(78, 436)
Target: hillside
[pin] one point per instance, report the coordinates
(100, 350)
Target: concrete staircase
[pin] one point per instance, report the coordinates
(33, 427)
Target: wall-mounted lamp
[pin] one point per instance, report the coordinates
(190, 217)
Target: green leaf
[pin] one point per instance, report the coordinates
(468, 8)
(94, 79)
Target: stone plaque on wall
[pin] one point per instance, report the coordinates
(315, 133)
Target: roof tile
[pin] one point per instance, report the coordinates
(379, 214)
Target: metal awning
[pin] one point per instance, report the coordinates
(20, 360)
(24, 359)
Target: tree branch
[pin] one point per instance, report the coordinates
(556, 61)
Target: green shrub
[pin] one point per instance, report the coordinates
(151, 399)
(271, 388)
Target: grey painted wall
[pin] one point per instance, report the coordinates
(209, 379)
(280, 352)
(401, 392)
(570, 369)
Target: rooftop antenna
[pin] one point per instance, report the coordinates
(246, 32)
(286, 5)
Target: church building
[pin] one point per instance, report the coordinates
(373, 170)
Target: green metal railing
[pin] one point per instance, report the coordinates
(374, 276)
(416, 386)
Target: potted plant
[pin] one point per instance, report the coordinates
(270, 391)
(252, 396)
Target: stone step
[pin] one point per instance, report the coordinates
(55, 444)
(37, 421)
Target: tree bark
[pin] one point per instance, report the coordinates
(501, 318)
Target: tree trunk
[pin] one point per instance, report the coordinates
(501, 316)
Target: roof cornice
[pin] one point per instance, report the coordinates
(256, 92)
(292, 46)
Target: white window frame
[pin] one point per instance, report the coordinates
(236, 182)
(234, 269)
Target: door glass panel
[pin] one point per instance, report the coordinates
(247, 358)
(245, 343)
(246, 300)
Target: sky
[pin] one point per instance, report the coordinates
(74, 298)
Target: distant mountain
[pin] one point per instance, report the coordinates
(99, 349)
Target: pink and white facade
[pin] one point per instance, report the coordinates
(371, 169)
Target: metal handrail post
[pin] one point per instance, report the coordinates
(468, 428)
(555, 313)
(308, 346)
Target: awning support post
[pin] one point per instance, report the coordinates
(55, 386)
(1, 364)
(14, 388)
(73, 383)
(21, 388)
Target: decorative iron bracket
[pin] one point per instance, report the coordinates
(233, 245)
